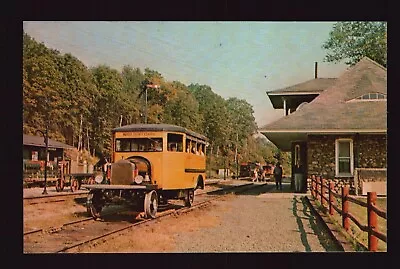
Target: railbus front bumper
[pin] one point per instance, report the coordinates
(119, 187)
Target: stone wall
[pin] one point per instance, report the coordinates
(369, 152)
(321, 155)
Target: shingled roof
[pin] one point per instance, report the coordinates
(30, 140)
(302, 92)
(334, 111)
(316, 85)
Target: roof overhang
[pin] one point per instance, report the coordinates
(293, 99)
(275, 93)
(283, 138)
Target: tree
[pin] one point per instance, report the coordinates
(77, 97)
(242, 118)
(109, 106)
(351, 41)
(216, 124)
(42, 84)
(183, 109)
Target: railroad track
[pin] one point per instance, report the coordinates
(71, 236)
(69, 196)
(61, 197)
(52, 199)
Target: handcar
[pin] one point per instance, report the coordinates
(151, 163)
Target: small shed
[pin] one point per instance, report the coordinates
(34, 149)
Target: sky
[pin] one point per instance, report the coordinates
(236, 59)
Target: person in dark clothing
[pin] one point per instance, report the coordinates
(278, 171)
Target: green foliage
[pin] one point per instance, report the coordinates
(351, 41)
(217, 123)
(59, 90)
(183, 108)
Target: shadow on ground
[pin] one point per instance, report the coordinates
(322, 234)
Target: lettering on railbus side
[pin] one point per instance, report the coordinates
(138, 134)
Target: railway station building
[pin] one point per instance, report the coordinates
(335, 128)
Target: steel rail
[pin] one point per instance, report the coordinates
(55, 201)
(56, 195)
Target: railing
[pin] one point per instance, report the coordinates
(319, 191)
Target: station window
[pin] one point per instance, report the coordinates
(344, 157)
(372, 96)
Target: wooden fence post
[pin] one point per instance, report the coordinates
(316, 187)
(322, 191)
(345, 208)
(331, 189)
(372, 222)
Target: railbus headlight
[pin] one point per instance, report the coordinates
(99, 178)
(138, 179)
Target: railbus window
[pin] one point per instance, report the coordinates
(175, 142)
(194, 147)
(200, 149)
(138, 144)
(188, 145)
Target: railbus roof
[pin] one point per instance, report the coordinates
(158, 127)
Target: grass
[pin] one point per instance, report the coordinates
(361, 214)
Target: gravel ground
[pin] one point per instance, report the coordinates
(264, 220)
(259, 222)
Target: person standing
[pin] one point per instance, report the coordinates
(278, 171)
(255, 174)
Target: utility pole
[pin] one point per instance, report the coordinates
(152, 86)
(80, 135)
(145, 108)
(46, 143)
(236, 156)
(87, 136)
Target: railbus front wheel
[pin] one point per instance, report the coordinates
(150, 204)
(94, 203)
(189, 198)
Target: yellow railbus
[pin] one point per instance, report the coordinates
(151, 163)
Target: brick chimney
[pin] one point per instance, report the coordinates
(316, 70)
